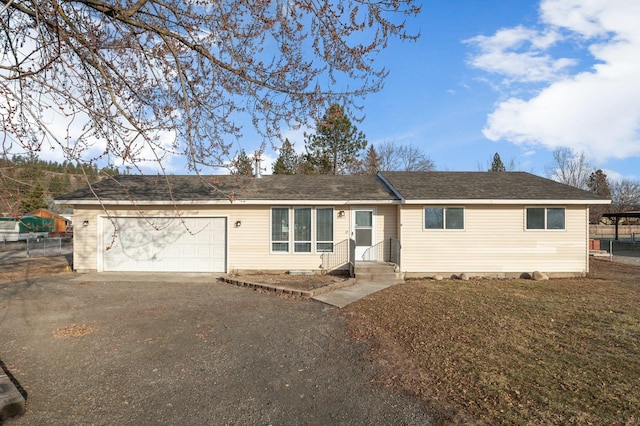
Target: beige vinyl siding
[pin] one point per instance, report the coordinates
(248, 245)
(494, 240)
(386, 226)
(387, 222)
(85, 239)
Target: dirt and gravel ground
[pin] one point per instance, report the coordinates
(479, 351)
(200, 352)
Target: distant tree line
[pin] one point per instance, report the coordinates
(574, 169)
(28, 183)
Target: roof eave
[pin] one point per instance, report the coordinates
(221, 202)
(498, 201)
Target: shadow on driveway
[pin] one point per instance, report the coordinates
(159, 351)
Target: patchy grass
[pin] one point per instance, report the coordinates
(511, 351)
(30, 268)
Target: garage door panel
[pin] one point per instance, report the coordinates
(165, 244)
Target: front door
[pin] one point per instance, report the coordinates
(363, 231)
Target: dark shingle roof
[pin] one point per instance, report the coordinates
(482, 186)
(410, 186)
(204, 188)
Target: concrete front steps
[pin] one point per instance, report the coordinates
(371, 277)
(378, 272)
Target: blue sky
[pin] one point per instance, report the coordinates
(521, 78)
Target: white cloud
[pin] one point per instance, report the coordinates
(613, 176)
(266, 164)
(296, 137)
(597, 110)
(593, 18)
(519, 54)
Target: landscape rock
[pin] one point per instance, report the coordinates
(438, 277)
(540, 276)
(464, 277)
(525, 276)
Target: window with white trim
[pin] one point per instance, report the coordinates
(551, 218)
(324, 230)
(280, 229)
(304, 237)
(302, 230)
(444, 218)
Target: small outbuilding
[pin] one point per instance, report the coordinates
(60, 223)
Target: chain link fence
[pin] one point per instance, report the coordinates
(36, 247)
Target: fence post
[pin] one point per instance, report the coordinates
(611, 251)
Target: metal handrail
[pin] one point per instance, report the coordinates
(378, 251)
(343, 254)
(384, 253)
(394, 251)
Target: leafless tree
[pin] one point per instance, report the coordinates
(625, 195)
(392, 156)
(137, 80)
(570, 168)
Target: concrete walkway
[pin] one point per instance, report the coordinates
(344, 296)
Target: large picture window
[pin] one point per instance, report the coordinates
(280, 229)
(312, 230)
(545, 218)
(444, 218)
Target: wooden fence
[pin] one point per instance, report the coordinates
(609, 231)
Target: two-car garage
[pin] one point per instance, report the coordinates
(163, 244)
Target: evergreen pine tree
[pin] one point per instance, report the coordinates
(242, 165)
(287, 161)
(497, 165)
(336, 145)
(371, 163)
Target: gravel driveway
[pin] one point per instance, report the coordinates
(161, 351)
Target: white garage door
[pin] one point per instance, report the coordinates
(156, 244)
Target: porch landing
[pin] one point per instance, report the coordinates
(371, 277)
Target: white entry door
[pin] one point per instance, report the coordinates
(363, 232)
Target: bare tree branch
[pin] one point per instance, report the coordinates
(392, 156)
(140, 79)
(570, 168)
